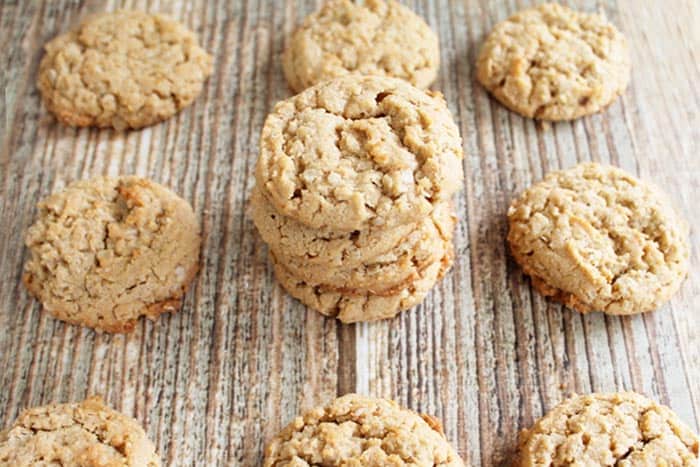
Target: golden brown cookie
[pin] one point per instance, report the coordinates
(125, 69)
(350, 306)
(289, 239)
(597, 239)
(374, 37)
(554, 63)
(107, 251)
(617, 429)
(359, 151)
(403, 263)
(362, 431)
(85, 434)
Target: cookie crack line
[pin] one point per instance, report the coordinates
(98, 436)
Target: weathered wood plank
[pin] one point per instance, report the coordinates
(484, 352)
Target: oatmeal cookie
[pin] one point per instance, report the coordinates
(125, 69)
(374, 37)
(554, 63)
(359, 151)
(350, 306)
(357, 430)
(598, 239)
(106, 251)
(87, 434)
(620, 429)
(403, 263)
(316, 248)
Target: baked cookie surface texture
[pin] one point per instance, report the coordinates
(425, 245)
(125, 69)
(351, 305)
(106, 251)
(554, 63)
(598, 239)
(375, 37)
(289, 238)
(85, 434)
(359, 151)
(616, 429)
(356, 430)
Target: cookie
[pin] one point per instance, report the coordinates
(292, 240)
(404, 263)
(357, 430)
(86, 434)
(597, 239)
(125, 69)
(106, 251)
(359, 151)
(554, 63)
(350, 306)
(375, 37)
(622, 429)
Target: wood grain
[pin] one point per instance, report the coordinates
(484, 352)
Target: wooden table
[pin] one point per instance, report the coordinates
(484, 353)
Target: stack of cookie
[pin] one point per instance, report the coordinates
(353, 192)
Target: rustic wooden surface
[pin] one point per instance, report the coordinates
(484, 352)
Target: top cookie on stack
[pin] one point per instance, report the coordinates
(353, 194)
(359, 151)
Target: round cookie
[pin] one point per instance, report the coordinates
(125, 69)
(554, 63)
(359, 151)
(402, 264)
(83, 434)
(288, 238)
(357, 430)
(375, 37)
(598, 239)
(621, 429)
(107, 251)
(350, 306)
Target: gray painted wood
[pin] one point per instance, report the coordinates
(484, 352)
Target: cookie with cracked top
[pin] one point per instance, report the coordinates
(106, 251)
(554, 63)
(374, 37)
(359, 151)
(125, 69)
(623, 429)
(598, 239)
(359, 430)
(86, 433)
